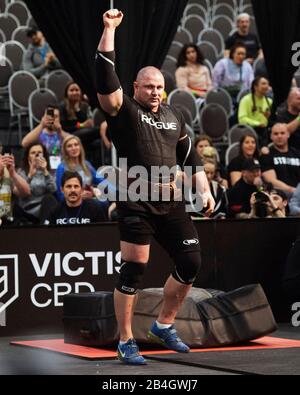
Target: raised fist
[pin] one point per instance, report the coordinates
(112, 19)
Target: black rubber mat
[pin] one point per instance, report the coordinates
(256, 362)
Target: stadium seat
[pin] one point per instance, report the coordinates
(183, 36)
(19, 10)
(38, 101)
(8, 24)
(170, 81)
(209, 51)
(214, 122)
(170, 65)
(224, 9)
(184, 99)
(238, 131)
(20, 87)
(2, 36)
(232, 152)
(194, 24)
(223, 24)
(220, 96)
(56, 82)
(175, 49)
(20, 35)
(7, 71)
(215, 38)
(14, 51)
(196, 9)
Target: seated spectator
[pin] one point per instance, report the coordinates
(75, 210)
(35, 170)
(240, 195)
(73, 159)
(281, 167)
(243, 35)
(205, 149)
(50, 134)
(76, 117)
(192, 74)
(39, 58)
(248, 150)
(234, 73)
(255, 109)
(289, 113)
(11, 184)
(271, 204)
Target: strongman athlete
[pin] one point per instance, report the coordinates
(147, 134)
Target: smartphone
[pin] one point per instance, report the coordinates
(50, 112)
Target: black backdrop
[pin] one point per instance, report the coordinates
(278, 26)
(73, 29)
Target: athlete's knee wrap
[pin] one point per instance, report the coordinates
(106, 77)
(131, 276)
(187, 266)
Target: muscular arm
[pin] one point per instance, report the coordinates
(271, 177)
(110, 94)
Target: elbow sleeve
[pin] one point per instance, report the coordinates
(188, 156)
(106, 78)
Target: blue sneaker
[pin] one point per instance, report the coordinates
(129, 354)
(167, 338)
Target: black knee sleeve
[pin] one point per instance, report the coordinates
(106, 78)
(187, 266)
(131, 275)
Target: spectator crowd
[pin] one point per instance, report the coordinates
(56, 183)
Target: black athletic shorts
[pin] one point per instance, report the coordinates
(174, 231)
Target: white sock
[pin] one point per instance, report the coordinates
(122, 343)
(163, 326)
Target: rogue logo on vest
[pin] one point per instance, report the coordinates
(159, 125)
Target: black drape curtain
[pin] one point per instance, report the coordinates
(279, 28)
(73, 30)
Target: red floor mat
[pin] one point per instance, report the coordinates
(58, 346)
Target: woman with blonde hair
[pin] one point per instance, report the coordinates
(73, 159)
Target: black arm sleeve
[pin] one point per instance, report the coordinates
(106, 78)
(188, 156)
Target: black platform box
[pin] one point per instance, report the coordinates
(89, 319)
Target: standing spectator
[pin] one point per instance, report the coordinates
(281, 167)
(192, 74)
(248, 150)
(75, 210)
(76, 117)
(39, 58)
(289, 113)
(50, 134)
(10, 184)
(234, 73)
(243, 35)
(255, 108)
(35, 170)
(73, 160)
(240, 195)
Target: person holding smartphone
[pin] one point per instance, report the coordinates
(50, 134)
(35, 169)
(11, 183)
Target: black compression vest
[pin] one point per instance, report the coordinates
(146, 138)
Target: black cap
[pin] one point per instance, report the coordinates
(251, 164)
(280, 193)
